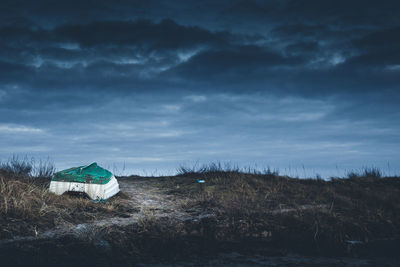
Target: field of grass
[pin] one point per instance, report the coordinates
(234, 210)
(27, 206)
(300, 214)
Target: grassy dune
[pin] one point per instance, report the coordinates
(301, 214)
(27, 206)
(356, 216)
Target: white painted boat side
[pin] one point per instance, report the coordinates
(94, 191)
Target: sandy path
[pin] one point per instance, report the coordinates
(150, 200)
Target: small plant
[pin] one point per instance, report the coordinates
(366, 172)
(353, 175)
(25, 167)
(372, 172)
(43, 169)
(18, 166)
(270, 172)
(223, 169)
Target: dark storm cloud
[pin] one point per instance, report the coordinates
(302, 47)
(143, 34)
(387, 38)
(12, 72)
(114, 49)
(234, 63)
(296, 30)
(158, 82)
(338, 12)
(378, 48)
(105, 47)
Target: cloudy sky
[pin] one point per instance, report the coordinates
(303, 86)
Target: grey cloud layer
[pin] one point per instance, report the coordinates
(166, 51)
(248, 80)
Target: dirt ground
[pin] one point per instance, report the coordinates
(182, 200)
(141, 197)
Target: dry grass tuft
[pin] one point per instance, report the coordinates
(354, 215)
(27, 206)
(304, 214)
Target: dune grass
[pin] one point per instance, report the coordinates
(26, 205)
(302, 214)
(237, 208)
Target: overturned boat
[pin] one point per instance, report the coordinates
(96, 182)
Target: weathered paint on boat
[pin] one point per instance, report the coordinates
(96, 182)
